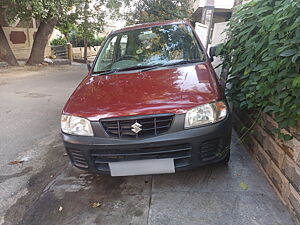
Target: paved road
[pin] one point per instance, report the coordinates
(46, 189)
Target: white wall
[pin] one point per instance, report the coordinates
(221, 4)
(218, 34)
(217, 38)
(202, 32)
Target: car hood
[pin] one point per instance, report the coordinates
(164, 90)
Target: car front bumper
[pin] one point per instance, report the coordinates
(189, 148)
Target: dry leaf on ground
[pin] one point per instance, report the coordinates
(16, 162)
(243, 186)
(96, 204)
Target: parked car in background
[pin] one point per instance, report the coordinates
(151, 103)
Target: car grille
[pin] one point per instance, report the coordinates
(210, 149)
(150, 126)
(180, 153)
(78, 158)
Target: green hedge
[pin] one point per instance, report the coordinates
(263, 57)
(77, 41)
(59, 41)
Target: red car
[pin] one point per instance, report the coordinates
(151, 103)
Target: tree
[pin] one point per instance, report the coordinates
(90, 20)
(157, 10)
(67, 24)
(86, 14)
(40, 41)
(6, 52)
(48, 13)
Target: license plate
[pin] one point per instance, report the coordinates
(142, 167)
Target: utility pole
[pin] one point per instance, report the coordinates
(85, 28)
(207, 17)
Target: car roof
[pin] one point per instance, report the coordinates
(152, 24)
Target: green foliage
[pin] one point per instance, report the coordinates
(77, 41)
(263, 57)
(86, 19)
(67, 24)
(7, 12)
(59, 41)
(90, 18)
(157, 10)
(95, 41)
(43, 10)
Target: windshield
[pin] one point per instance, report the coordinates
(151, 46)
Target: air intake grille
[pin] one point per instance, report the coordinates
(147, 126)
(180, 153)
(210, 149)
(78, 158)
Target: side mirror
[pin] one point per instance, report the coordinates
(212, 52)
(88, 64)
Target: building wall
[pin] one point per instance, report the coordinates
(78, 52)
(219, 4)
(21, 40)
(218, 37)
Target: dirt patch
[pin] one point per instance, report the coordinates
(69, 198)
(76, 194)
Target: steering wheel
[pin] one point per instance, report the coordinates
(125, 57)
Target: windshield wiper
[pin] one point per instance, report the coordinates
(143, 67)
(146, 67)
(183, 62)
(104, 72)
(172, 64)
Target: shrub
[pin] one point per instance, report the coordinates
(96, 41)
(77, 41)
(263, 57)
(59, 41)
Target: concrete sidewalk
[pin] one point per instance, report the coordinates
(208, 195)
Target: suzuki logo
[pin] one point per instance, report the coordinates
(136, 127)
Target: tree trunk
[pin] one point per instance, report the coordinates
(3, 16)
(6, 53)
(40, 41)
(66, 36)
(85, 48)
(85, 24)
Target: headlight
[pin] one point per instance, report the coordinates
(205, 114)
(76, 125)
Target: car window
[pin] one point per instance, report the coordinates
(123, 44)
(149, 46)
(106, 57)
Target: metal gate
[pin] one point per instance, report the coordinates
(60, 51)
